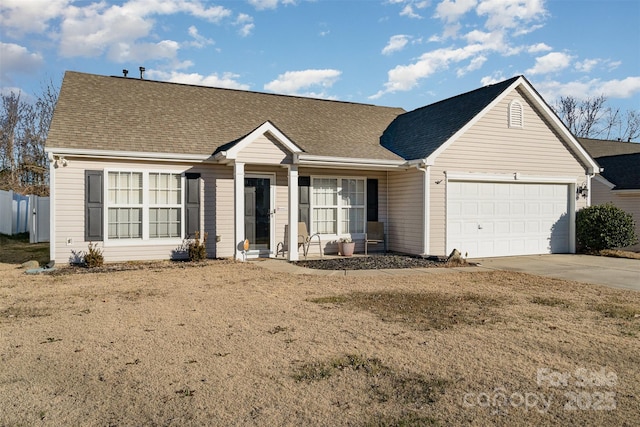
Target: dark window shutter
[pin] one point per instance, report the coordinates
(192, 204)
(94, 206)
(304, 183)
(372, 199)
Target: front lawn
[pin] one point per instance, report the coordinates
(229, 343)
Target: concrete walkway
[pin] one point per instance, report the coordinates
(614, 272)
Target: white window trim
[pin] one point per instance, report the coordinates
(145, 240)
(338, 206)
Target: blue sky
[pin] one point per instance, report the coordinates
(401, 53)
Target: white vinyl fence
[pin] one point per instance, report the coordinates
(21, 214)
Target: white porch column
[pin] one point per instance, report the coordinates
(293, 213)
(238, 184)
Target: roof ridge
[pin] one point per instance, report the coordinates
(503, 82)
(238, 90)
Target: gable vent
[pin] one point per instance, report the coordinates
(516, 114)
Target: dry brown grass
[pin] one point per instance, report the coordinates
(233, 344)
(617, 253)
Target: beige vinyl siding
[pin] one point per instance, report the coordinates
(68, 203)
(491, 147)
(406, 207)
(629, 203)
(264, 150)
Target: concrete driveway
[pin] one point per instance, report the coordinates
(614, 272)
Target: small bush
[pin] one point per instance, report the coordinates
(198, 248)
(604, 227)
(93, 257)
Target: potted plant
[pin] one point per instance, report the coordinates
(346, 246)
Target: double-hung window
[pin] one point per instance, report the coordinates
(338, 205)
(353, 206)
(125, 205)
(144, 205)
(165, 200)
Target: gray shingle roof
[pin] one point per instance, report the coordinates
(418, 133)
(620, 160)
(125, 114)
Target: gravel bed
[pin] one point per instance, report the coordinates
(376, 262)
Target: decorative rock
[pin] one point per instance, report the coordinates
(455, 256)
(30, 264)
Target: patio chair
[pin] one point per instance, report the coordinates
(374, 235)
(304, 240)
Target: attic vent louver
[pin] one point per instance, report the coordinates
(516, 114)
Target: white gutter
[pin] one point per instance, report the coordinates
(347, 162)
(423, 167)
(627, 191)
(130, 155)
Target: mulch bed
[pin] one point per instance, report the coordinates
(378, 262)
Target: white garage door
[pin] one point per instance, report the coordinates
(487, 219)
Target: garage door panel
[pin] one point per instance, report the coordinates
(498, 219)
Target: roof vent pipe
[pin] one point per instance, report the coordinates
(125, 72)
(141, 73)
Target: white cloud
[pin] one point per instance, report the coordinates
(409, 7)
(406, 77)
(21, 17)
(495, 78)
(246, 24)
(475, 64)
(583, 89)
(293, 82)
(125, 52)
(452, 10)
(91, 29)
(198, 40)
(587, 65)
(269, 4)
(612, 65)
(396, 43)
(503, 14)
(624, 88)
(17, 59)
(539, 47)
(409, 13)
(227, 80)
(550, 63)
(503, 19)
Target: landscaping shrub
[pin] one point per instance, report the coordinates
(93, 257)
(604, 227)
(198, 248)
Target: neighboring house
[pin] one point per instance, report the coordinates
(619, 181)
(141, 165)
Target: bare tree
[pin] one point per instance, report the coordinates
(23, 133)
(592, 118)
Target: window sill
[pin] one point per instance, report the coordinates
(140, 242)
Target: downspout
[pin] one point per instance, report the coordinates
(590, 174)
(386, 207)
(52, 208)
(423, 167)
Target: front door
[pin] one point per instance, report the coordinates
(258, 211)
